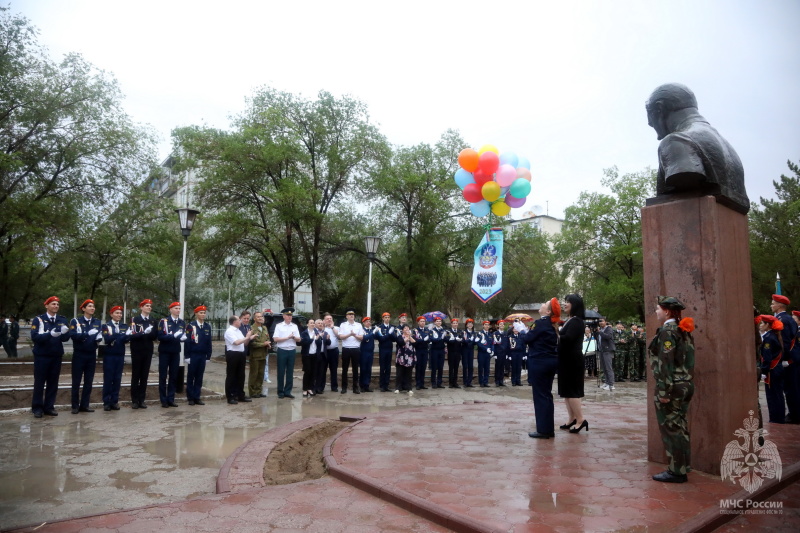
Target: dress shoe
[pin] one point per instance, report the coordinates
(537, 435)
(318, 392)
(384, 390)
(134, 405)
(335, 390)
(343, 391)
(74, 410)
(305, 394)
(199, 402)
(584, 424)
(190, 402)
(356, 391)
(232, 401)
(85, 409)
(422, 388)
(115, 407)
(567, 426)
(245, 399)
(172, 404)
(367, 390)
(37, 414)
(501, 385)
(108, 407)
(50, 412)
(164, 405)
(288, 396)
(280, 395)
(468, 386)
(668, 477)
(142, 405)
(262, 395)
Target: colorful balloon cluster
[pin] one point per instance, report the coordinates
(492, 181)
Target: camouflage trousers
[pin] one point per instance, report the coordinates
(625, 361)
(674, 427)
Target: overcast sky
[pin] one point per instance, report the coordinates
(563, 84)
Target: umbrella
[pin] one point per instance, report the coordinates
(521, 316)
(592, 314)
(433, 315)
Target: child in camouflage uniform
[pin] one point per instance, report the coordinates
(672, 361)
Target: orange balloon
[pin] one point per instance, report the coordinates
(468, 159)
(524, 173)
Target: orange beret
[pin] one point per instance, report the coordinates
(51, 299)
(366, 318)
(402, 314)
(555, 307)
(781, 299)
(469, 320)
(85, 303)
(454, 320)
(485, 322)
(116, 307)
(174, 304)
(145, 302)
(200, 308)
(420, 318)
(501, 321)
(385, 314)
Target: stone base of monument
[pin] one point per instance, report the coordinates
(698, 251)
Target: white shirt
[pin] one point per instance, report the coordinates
(312, 348)
(345, 329)
(232, 334)
(334, 339)
(286, 330)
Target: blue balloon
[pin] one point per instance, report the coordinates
(520, 188)
(480, 209)
(463, 178)
(504, 190)
(524, 163)
(509, 158)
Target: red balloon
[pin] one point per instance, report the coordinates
(489, 162)
(472, 193)
(482, 177)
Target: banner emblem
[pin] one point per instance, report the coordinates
(487, 274)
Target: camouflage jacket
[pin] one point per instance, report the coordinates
(671, 358)
(623, 340)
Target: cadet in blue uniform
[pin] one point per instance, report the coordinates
(468, 352)
(115, 335)
(171, 332)
(48, 333)
(454, 340)
(500, 348)
(85, 334)
(421, 336)
(791, 367)
(145, 331)
(198, 351)
(483, 340)
(367, 354)
(772, 350)
(437, 335)
(542, 343)
(517, 352)
(385, 333)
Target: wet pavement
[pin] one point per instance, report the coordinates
(78, 465)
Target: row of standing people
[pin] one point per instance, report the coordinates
(621, 353)
(49, 331)
(778, 360)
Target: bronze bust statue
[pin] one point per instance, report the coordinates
(693, 158)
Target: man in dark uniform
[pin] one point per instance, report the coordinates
(85, 334)
(385, 333)
(3, 331)
(142, 347)
(437, 335)
(639, 343)
(198, 351)
(791, 367)
(499, 344)
(171, 333)
(454, 339)
(367, 354)
(622, 341)
(115, 335)
(484, 340)
(422, 335)
(48, 333)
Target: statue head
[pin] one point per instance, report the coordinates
(666, 100)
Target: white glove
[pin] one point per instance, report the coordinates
(99, 337)
(490, 351)
(391, 330)
(92, 331)
(55, 332)
(128, 333)
(183, 338)
(785, 364)
(524, 357)
(177, 334)
(64, 330)
(763, 377)
(494, 357)
(508, 358)
(148, 330)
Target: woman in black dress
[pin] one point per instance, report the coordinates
(570, 363)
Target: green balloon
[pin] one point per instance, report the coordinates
(520, 188)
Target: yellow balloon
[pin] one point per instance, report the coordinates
(501, 208)
(490, 191)
(489, 148)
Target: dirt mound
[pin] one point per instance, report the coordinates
(300, 457)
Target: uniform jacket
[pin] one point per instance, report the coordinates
(115, 338)
(788, 334)
(47, 345)
(258, 344)
(167, 342)
(671, 358)
(542, 339)
(385, 334)
(483, 340)
(198, 339)
(82, 341)
(306, 340)
(141, 342)
(437, 338)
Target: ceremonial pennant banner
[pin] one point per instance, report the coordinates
(487, 274)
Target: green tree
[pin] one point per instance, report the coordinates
(68, 149)
(775, 240)
(601, 243)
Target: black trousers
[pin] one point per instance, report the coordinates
(350, 356)
(140, 371)
(453, 362)
(309, 370)
(403, 378)
(234, 375)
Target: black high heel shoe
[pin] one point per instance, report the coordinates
(584, 424)
(568, 426)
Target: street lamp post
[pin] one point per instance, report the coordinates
(186, 218)
(230, 269)
(371, 244)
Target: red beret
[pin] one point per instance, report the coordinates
(781, 299)
(174, 304)
(200, 308)
(85, 303)
(420, 318)
(145, 302)
(402, 314)
(51, 299)
(773, 322)
(501, 321)
(485, 322)
(796, 313)
(111, 311)
(469, 320)
(366, 318)
(454, 320)
(385, 314)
